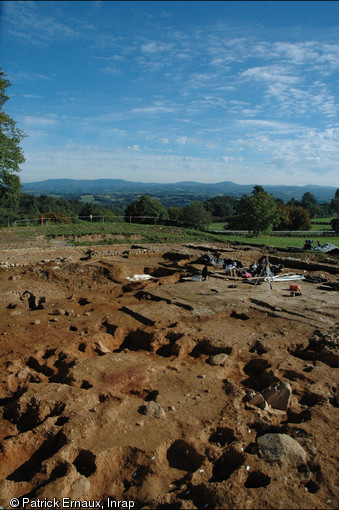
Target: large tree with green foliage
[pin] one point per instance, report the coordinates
(294, 218)
(11, 155)
(175, 215)
(258, 212)
(309, 202)
(195, 215)
(335, 203)
(335, 209)
(146, 210)
(221, 206)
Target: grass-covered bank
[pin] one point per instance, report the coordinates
(126, 233)
(113, 233)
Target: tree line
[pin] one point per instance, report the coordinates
(257, 212)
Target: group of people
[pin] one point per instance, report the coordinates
(234, 269)
(308, 245)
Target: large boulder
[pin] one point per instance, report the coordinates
(281, 448)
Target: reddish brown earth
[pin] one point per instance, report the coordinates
(84, 354)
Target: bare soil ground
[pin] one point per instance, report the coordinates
(109, 387)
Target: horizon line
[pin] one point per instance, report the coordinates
(179, 182)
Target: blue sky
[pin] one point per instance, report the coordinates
(174, 91)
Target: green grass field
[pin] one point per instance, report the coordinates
(317, 228)
(88, 199)
(279, 242)
(325, 220)
(325, 224)
(217, 226)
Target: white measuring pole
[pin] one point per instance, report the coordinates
(269, 277)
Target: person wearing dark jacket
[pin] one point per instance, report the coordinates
(204, 273)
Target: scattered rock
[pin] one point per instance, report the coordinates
(259, 348)
(217, 359)
(23, 373)
(36, 322)
(80, 488)
(183, 346)
(278, 395)
(255, 398)
(281, 448)
(102, 347)
(153, 409)
(59, 311)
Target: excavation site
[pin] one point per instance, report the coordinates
(126, 377)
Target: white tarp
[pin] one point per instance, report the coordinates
(139, 277)
(326, 247)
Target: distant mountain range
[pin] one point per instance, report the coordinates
(68, 187)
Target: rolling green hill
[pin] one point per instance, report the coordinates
(187, 190)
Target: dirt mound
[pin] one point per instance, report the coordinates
(169, 392)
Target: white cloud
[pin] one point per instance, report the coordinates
(31, 96)
(16, 76)
(282, 127)
(273, 73)
(319, 147)
(27, 21)
(182, 140)
(153, 47)
(157, 109)
(112, 70)
(309, 53)
(293, 95)
(298, 53)
(35, 120)
(33, 26)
